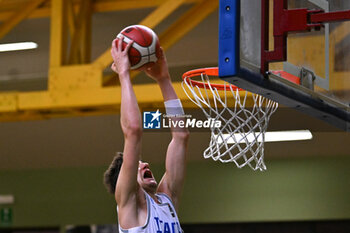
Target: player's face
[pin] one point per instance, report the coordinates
(145, 177)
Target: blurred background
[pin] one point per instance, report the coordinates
(59, 128)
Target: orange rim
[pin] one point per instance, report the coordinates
(212, 71)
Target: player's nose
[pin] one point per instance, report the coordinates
(143, 165)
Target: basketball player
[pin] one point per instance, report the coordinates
(144, 205)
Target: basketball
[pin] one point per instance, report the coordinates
(145, 49)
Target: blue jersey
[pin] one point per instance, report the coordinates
(161, 218)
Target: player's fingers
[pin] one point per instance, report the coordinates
(128, 46)
(161, 54)
(112, 66)
(120, 44)
(114, 44)
(113, 49)
(161, 51)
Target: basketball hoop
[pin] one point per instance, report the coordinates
(240, 139)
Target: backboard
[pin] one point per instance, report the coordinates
(308, 40)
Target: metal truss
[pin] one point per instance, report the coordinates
(76, 85)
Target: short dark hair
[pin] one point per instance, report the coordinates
(111, 174)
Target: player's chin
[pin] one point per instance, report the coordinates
(150, 182)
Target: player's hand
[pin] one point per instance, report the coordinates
(121, 63)
(158, 71)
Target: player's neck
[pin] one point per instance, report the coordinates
(152, 194)
(154, 197)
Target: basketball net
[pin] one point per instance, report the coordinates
(241, 137)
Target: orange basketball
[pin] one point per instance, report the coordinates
(145, 49)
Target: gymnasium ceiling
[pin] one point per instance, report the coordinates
(59, 102)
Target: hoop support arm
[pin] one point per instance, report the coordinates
(286, 21)
(330, 17)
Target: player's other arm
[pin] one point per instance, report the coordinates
(175, 164)
(127, 186)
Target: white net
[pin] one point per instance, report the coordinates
(240, 139)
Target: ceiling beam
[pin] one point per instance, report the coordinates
(17, 16)
(86, 34)
(98, 6)
(84, 98)
(39, 105)
(187, 22)
(71, 18)
(152, 20)
(58, 33)
(81, 37)
(74, 89)
(161, 13)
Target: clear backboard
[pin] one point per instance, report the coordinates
(261, 42)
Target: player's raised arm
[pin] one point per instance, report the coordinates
(175, 164)
(127, 186)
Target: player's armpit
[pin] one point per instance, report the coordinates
(175, 165)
